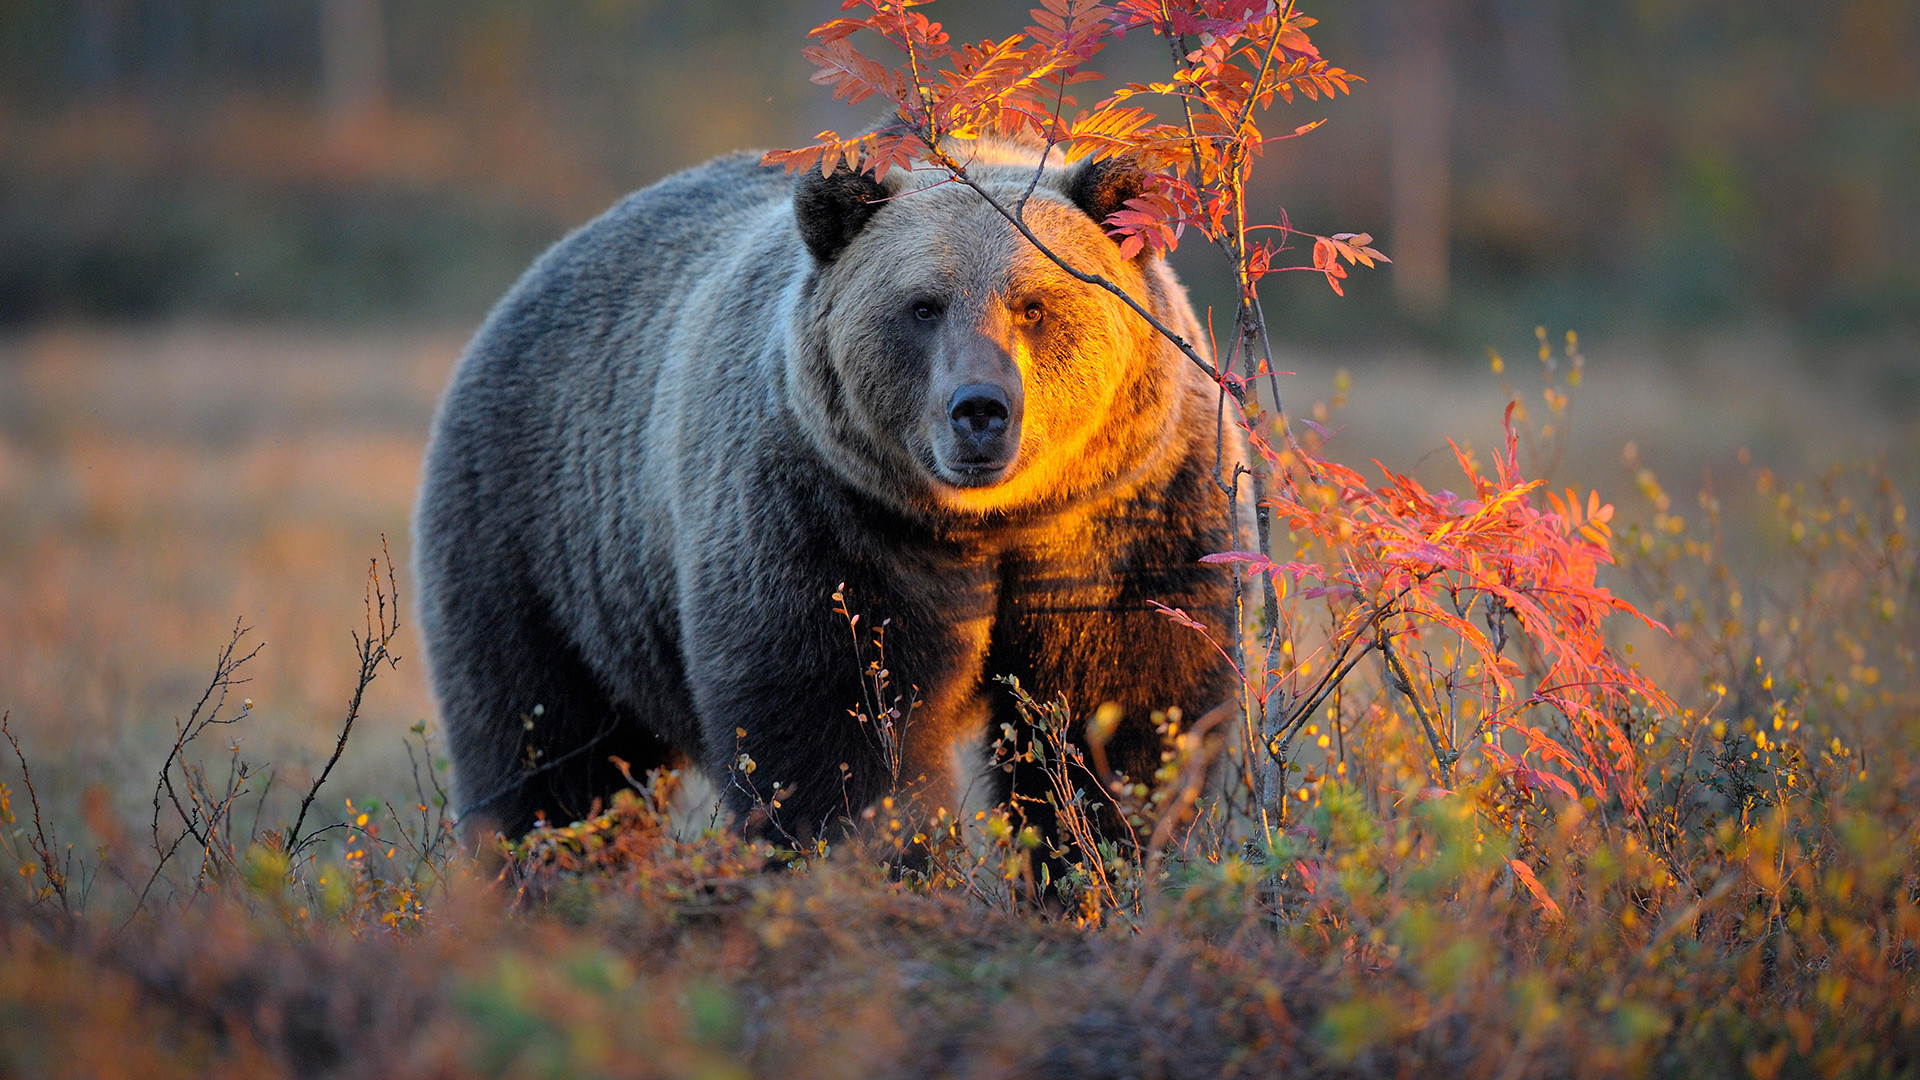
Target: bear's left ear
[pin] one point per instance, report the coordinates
(831, 210)
(1102, 187)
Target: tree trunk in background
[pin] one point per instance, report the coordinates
(353, 58)
(1421, 170)
(1533, 37)
(96, 49)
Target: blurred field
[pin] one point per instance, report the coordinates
(158, 484)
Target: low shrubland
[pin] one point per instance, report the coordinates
(1747, 906)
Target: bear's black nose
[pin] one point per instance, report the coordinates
(979, 411)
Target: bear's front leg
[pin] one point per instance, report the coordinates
(1077, 618)
(815, 709)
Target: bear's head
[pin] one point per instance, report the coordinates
(945, 364)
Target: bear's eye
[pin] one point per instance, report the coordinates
(925, 311)
(1032, 313)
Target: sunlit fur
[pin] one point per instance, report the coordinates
(682, 430)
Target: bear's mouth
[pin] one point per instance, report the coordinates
(977, 474)
(968, 470)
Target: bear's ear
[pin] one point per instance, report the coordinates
(1102, 187)
(831, 210)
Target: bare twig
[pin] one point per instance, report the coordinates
(42, 847)
(518, 781)
(199, 718)
(197, 823)
(1187, 349)
(375, 650)
(1053, 132)
(1443, 756)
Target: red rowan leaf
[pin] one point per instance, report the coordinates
(1260, 261)
(794, 160)
(835, 29)
(1106, 132)
(1073, 29)
(889, 152)
(1292, 37)
(1178, 616)
(1255, 562)
(853, 76)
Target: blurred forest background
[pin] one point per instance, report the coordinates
(242, 242)
(1671, 165)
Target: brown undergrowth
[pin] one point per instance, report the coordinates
(1757, 915)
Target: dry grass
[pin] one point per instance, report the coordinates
(1761, 921)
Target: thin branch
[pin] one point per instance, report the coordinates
(1053, 132)
(374, 651)
(1178, 45)
(1186, 348)
(546, 766)
(1443, 756)
(225, 665)
(1335, 676)
(42, 847)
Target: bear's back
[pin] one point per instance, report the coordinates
(627, 266)
(571, 357)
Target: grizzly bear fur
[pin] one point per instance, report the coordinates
(696, 417)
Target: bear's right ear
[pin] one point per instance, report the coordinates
(831, 210)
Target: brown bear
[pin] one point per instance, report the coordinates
(698, 416)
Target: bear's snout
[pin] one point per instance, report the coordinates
(979, 412)
(984, 420)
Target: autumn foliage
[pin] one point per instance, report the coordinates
(1452, 830)
(1400, 561)
(1248, 53)
(1395, 569)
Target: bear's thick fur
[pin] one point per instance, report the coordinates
(696, 417)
